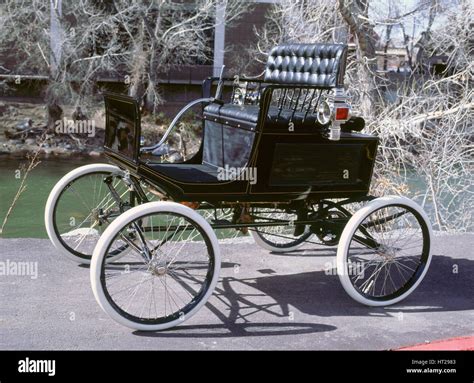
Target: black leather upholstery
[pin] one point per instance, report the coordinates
(275, 118)
(227, 144)
(320, 65)
(281, 119)
(247, 113)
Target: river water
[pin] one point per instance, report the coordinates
(27, 219)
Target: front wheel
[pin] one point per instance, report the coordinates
(80, 207)
(169, 273)
(384, 251)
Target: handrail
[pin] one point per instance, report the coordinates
(174, 122)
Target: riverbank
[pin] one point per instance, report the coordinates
(17, 149)
(22, 126)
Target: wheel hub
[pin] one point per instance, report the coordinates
(387, 254)
(158, 267)
(159, 271)
(326, 231)
(95, 215)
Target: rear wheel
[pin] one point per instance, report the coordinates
(384, 251)
(169, 273)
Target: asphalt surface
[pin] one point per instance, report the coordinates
(263, 301)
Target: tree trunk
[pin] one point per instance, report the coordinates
(151, 95)
(56, 35)
(355, 13)
(55, 113)
(385, 48)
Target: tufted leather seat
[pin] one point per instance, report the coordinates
(320, 65)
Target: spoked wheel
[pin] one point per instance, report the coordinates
(80, 207)
(384, 251)
(169, 273)
(278, 238)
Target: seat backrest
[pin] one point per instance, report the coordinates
(319, 65)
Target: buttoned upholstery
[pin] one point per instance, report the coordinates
(320, 65)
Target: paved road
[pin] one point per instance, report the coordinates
(264, 301)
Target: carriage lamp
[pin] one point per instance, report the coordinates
(342, 114)
(324, 112)
(335, 110)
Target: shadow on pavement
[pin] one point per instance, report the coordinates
(448, 286)
(238, 330)
(242, 304)
(321, 251)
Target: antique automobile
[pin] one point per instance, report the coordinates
(282, 156)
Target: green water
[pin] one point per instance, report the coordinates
(26, 219)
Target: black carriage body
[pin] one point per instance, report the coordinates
(264, 144)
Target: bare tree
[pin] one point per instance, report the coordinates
(355, 14)
(426, 133)
(75, 42)
(145, 38)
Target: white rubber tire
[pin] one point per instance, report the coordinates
(264, 245)
(109, 235)
(53, 198)
(345, 241)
